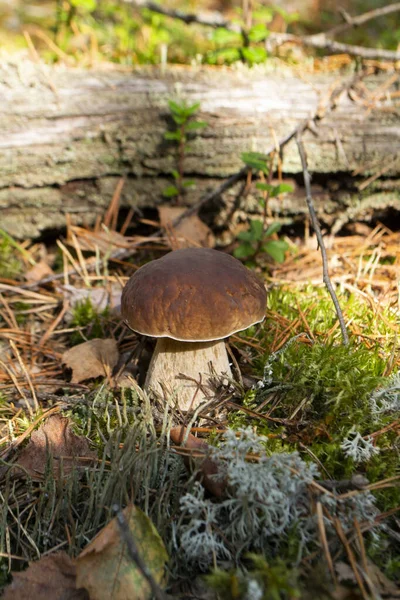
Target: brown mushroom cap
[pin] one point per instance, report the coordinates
(193, 294)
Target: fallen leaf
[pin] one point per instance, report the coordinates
(105, 569)
(50, 578)
(208, 469)
(55, 437)
(95, 358)
(192, 231)
(38, 272)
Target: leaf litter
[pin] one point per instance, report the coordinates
(55, 444)
(105, 568)
(94, 358)
(365, 266)
(50, 578)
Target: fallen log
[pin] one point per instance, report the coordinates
(70, 135)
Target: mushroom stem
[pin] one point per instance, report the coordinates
(172, 358)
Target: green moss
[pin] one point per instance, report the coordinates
(318, 315)
(274, 580)
(10, 263)
(88, 321)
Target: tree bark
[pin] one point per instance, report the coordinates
(69, 135)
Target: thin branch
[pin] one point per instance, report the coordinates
(187, 18)
(135, 555)
(320, 42)
(317, 229)
(363, 18)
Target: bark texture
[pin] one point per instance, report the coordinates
(69, 135)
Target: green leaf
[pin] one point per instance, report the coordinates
(192, 109)
(179, 119)
(273, 228)
(258, 33)
(173, 135)
(276, 249)
(175, 174)
(243, 251)
(171, 191)
(254, 55)
(256, 228)
(255, 160)
(281, 189)
(188, 184)
(274, 190)
(87, 5)
(177, 109)
(263, 13)
(194, 125)
(226, 55)
(284, 187)
(224, 36)
(264, 187)
(246, 236)
(105, 568)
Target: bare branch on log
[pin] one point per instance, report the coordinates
(363, 18)
(317, 229)
(319, 41)
(187, 18)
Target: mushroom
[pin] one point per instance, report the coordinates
(191, 299)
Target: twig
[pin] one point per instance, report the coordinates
(320, 42)
(187, 18)
(324, 541)
(350, 554)
(363, 18)
(317, 229)
(135, 556)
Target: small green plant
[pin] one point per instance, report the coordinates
(11, 264)
(259, 237)
(86, 317)
(246, 43)
(272, 580)
(185, 126)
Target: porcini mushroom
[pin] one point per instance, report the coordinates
(191, 299)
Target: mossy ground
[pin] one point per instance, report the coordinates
(305, 391)
(316, 388)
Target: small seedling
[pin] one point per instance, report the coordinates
(185, 126)
(258, 238)
(247, 43)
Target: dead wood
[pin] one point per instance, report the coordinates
(69, 135)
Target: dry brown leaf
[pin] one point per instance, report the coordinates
(107, 571)
(190, 232)
(38, 272)
(50, 578)
(55, 436)
(95, 358)
(208, 468)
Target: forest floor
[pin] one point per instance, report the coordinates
(80, 441)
